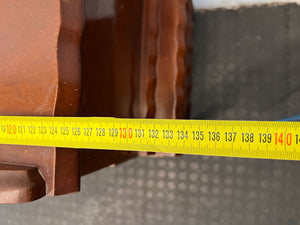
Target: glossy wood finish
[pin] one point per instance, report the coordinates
(136, 63)
(152, 58)
(40, 76)
(20, 184)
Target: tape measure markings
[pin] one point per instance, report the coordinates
(253, 139)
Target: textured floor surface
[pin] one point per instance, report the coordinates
(245, 67)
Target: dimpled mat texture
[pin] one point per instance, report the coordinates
(246, 66)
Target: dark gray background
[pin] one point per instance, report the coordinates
(245, 67)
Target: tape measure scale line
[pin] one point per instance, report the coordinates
(251, 139)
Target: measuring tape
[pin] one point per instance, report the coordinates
(250, 139)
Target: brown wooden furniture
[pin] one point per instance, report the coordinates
(134, 64)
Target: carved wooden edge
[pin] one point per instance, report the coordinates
(148, 59)
(42, 77)
(67, 161)
(166, 65)
(161, 87)
(188, 58)
(172, 67)
(68, 58)
(152, 58)
(20, 184)
(165, 59)
(181, 56)
(172, 72)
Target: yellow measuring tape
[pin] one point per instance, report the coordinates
(251, 139)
